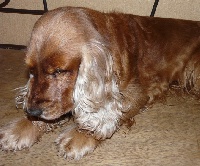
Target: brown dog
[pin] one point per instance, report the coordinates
(104, 68)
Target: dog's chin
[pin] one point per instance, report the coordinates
(47, 116)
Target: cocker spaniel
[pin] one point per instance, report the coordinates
(104, 69)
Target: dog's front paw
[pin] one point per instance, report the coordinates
(74, 145)
(18, 135)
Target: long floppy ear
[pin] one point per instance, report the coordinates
(96, 94)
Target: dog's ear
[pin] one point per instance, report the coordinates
(95, 75)
(96, 95)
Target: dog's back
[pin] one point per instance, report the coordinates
(159, 53)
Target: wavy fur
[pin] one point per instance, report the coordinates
(96, 94)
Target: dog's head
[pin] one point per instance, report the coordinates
(53, 59)
(69, 66)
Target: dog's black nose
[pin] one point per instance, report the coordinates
(34, 112)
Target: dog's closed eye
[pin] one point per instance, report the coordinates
(59, 71)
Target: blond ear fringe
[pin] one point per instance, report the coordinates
(96, 95)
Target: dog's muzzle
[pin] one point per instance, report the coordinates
(34, 112)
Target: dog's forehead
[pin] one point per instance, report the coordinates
(53, 61)
(55, 38)
(57, 60)
(52, 52)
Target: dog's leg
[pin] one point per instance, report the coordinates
(73, 144)
(22, 133)
(191, 76)
(135, 100)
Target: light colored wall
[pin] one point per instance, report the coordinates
(16, 28)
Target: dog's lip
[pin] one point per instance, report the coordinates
(52, 117)
(49, 114)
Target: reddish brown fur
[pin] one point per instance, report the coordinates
(150, 52)
(149, 56)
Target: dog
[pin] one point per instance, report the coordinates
(104, 68)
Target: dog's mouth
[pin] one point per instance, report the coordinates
(46, 116)
(51, 113)
(48, 110)
(52, 123)
(51, 116)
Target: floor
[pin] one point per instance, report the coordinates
(168, 134)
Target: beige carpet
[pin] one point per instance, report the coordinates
(165, 135)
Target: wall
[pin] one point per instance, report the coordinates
(16, 28)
